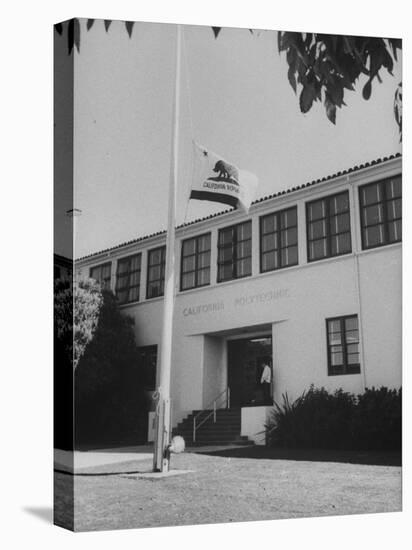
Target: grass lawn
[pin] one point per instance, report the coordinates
(228, 489)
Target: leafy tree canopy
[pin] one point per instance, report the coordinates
(76, 315)
(321, 66)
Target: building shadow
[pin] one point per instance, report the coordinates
(113, 447)
(372, 458)
(43, 513)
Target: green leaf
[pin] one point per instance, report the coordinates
(307, 97)
(76, 34)
(367, 90)
(216, 31)
(330, 109)
(335, 89)
(397, 107)
(129, 27)
(280, 40)
(70, 35)
(291, 78)
(89, 24)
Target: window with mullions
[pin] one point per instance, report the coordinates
(195, 266)
(381, 212)
(102, 274)
(278, 240)
(156, 272)
(343, 345)
(234, 252)
(328, 227)
(128, 279)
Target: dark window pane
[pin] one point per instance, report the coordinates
(226, 255)
(395, 231)
(288, 218)
(343, 345)
(371, 194)
(154, 273)
(269, 242)
(352, 348)
(288, 237)
(339, 204)
(318, 249)
(269, 224)
(189, 247)
(188, 280)
(269, 261)
(189, 264)
(245, 231)
(156, 270)
(198, 260)
(336, 358)
(316, 210)
(339, 224)
(134, 294)
(225, 237)
(204, 260)
(234, 258)
(292, 255)
(226, 272)
(353, 359)
(387, 194)
(394, 188)
(334, 326)
(373, 214)
(204, 277)
(374, 236)
(155, 257)
(244, 267)
(122, 267)
(317, 230)
(340, 244)
(289, 256)
(351, 323)
(335, 339)
(204, 243)
(244, 249)
(394, 209)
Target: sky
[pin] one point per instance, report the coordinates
(235, 99)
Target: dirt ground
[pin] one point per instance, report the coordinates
(225, 489)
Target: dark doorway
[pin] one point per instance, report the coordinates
(246, 360)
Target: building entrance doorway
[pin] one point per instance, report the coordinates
(247, 358)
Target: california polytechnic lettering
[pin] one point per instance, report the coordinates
(204, 308)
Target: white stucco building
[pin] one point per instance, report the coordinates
(310, 279)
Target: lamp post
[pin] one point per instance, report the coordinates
(73, 213)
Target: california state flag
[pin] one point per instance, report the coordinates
(217, 180)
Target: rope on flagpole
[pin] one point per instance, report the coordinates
(192, 133)
(188, 90)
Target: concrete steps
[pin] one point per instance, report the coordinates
(225, 431)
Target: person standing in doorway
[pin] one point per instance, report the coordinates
(266, 380)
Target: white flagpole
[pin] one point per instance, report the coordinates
(163, 424)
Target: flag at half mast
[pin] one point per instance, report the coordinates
(217, 180)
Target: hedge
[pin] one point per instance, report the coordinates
(339, 420)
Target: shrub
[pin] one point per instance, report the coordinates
(378, 419)
(95, 356)
(110, 403)
(339, 420)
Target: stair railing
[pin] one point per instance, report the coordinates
(204, 415)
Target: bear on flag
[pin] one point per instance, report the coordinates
(217, 180)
